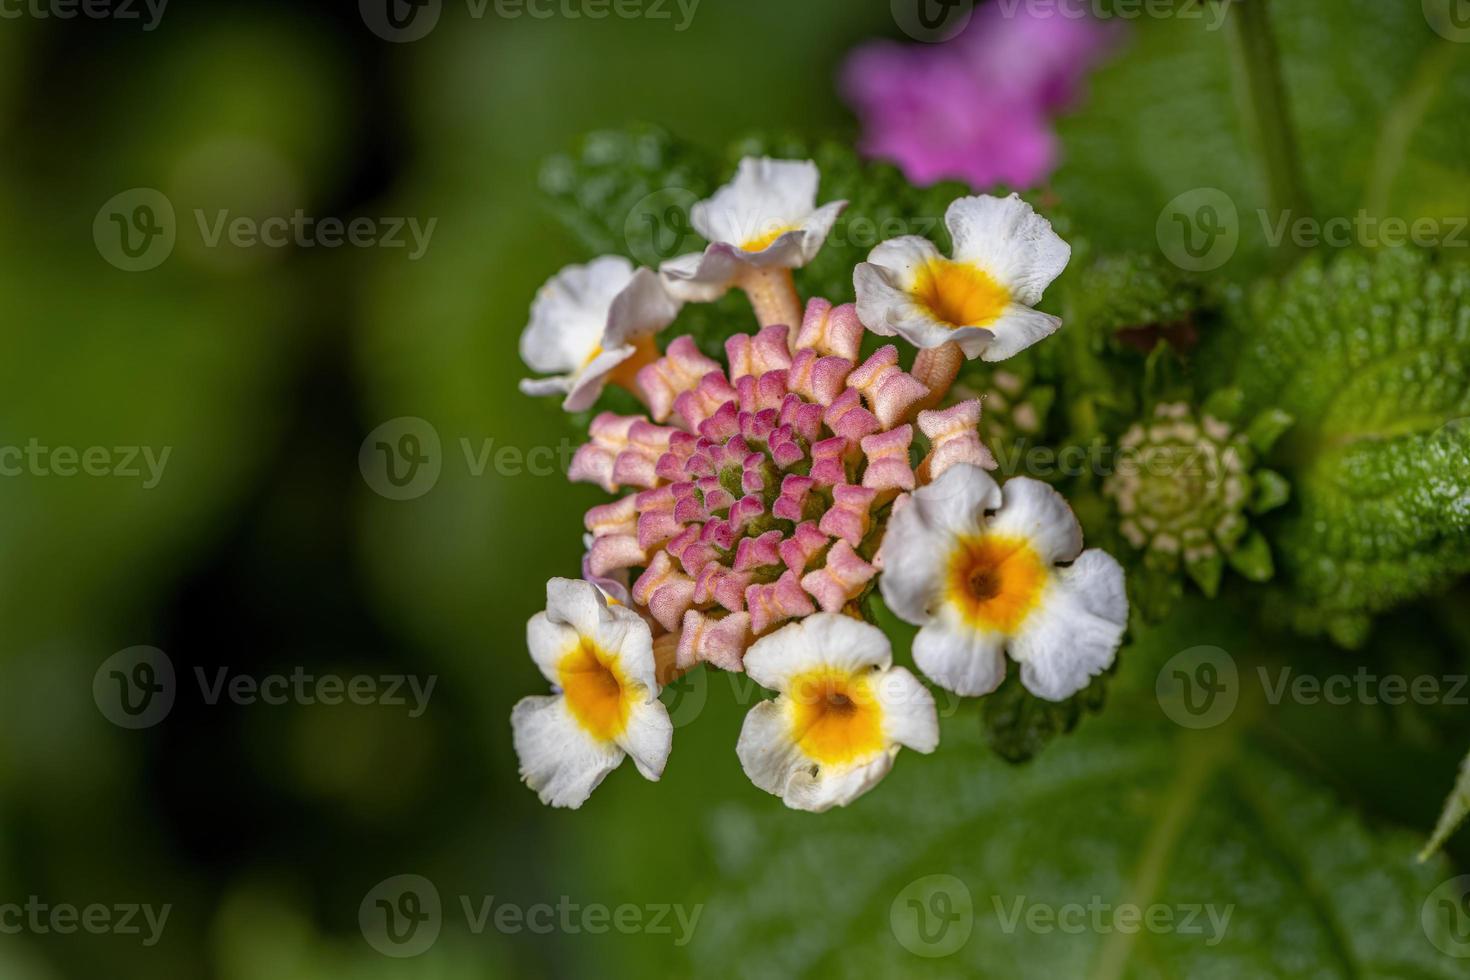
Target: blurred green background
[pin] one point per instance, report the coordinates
(262, 549)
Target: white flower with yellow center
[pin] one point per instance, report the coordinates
(760, 226)
(591, 324)
(985, 570)
(843, 712)
(981, 299)
(600, 659)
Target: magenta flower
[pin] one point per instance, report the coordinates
(978, 108)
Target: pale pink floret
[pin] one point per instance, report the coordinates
(635, 466)
(829, 461)
(816, 378)
(758, 552)
(841, 580)
(716, 583)
(777, 602)
(847, 518)
(670, 376)
(594, 462)
(889, 391)
(706, 639)
(888, 460)
(831, 330)
(704, 399)
(847, 417)
(766, 351)
(804, 544)
(791, 505)
(954, 438)
(667, 592)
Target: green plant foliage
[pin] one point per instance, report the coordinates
(1371, 354)
(1189, 821)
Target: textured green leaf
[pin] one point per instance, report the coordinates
(1134, 809)
(1371, 355)
(1373, 107)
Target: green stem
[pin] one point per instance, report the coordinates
(1263, 94)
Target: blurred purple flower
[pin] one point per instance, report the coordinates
(979, 107)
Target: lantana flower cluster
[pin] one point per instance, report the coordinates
(760, 498)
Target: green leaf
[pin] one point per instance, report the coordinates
(1371, 354)
(1456, 810)
(1138, 814)
(1272, 490)
(1267, 428)
(1373, 101)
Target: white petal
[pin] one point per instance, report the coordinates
(921, 536)
(626, 633)
(1016, 329)
(958, 657)
(909, 715)
(536, 387)
(765, 195)
(775, 764)
(819, 640)
(1011, 242)
(1074, 635)
(642, 308)
(1035, 511)
(703, 277)
(558, 759)
(649, 737)
(576, 603)
(795, 249)
(887, 305)
(824, 789)
(587, 385)
(548, 643)
(569, 314)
